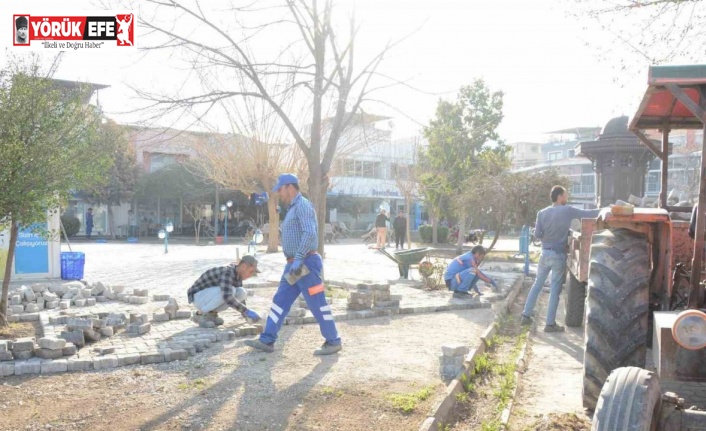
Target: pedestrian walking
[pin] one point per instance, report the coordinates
(399, 225)
(381, 227)
(221, 288)
(302, 273)
(552, 227)
(89, 222)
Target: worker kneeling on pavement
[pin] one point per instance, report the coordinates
(463, 274)
(222, 287)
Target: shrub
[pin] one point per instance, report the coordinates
(71, 224)
(425, 231)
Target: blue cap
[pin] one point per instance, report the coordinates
(285, 179)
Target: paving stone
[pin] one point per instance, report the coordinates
(108, 294)
(91, 335)
(55, 366)
(48, 296)
(73, 285)
(31, 366)
(176, 355)
(68, 296)
(79, 302)
(104, 350)
(7, 369)
(48, 354)
(101, 299)
(78, 323)
(24, 354)
(183, 314)
(107, 331)
(135, 328)
(50, 305)
(6, 356)
(75, 337)
(98, 288)
(69, 350)
(16, 309)
(161, 317)
(454, 349)
(51, 343)
(103, 362)
(4, 346)
(118, 289)
(38, 287)
(125, 359)
(79, 364)
(30, 295)
(151, 358)
(15, 300)
(98, 323)
(124, 297)
(139, 300)
(64, 304)
(23, 344)
(140, 292)
(29, 317)
(138, 318)
(161, 297)
(90, 302)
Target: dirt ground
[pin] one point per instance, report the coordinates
(550, 390)
(230, 387)
(18, 330)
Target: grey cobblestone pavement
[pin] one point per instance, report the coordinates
(146, 266)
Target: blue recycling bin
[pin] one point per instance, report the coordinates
(72, 265)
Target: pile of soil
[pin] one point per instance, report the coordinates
(561, 422)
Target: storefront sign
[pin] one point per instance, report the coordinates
(387, 192)
(31, 252)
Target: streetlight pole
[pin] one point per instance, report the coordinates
(226, 208)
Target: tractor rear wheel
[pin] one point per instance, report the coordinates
(617, 308)
(575, 301)
(630, 400)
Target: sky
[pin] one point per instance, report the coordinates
(547, 62)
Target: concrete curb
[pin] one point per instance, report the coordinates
(520, 365)
(441, 412)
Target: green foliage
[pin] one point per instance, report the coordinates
(71, 224)
(426, 231)
(48, 142)
(408, 402)
(172, 182)
(483, 364)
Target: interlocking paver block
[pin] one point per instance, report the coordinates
(23, 355)
(76, 337)
(56, 366)
(23, 344)
(6, 356)
(125, 359)
(454, 349)
(69, 350)
(3, 346)
(80, 364)
(151, 358)
(102, 362)
(51, 343)
(7, 369)
(31, 366)
(48, 354)
(160, 317)
(183, 314)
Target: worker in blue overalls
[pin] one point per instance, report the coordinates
(463, 273)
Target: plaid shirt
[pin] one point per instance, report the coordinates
(224, 276)
(299, 232)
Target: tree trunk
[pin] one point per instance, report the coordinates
(273, 241)
(111, 222)
(461, 231)
(317, 193)
(197, 231)
(497, 234)
(434, 233)
(408, 233)
(8, 272)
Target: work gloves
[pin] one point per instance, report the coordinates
(296, 267)
(251, 315)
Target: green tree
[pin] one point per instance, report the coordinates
(47, 131)
(123, 174)
(457, 138)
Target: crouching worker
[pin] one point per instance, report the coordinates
(463, 274)
(222, 287)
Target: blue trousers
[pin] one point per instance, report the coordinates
(465, 280)
(554, 262)
(312, 289)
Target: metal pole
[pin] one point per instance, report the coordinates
(225, 240)
(695, 291)
(665, 166)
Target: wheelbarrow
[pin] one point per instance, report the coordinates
(405, 258)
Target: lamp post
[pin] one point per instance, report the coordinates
(164, 234)
(225, 208)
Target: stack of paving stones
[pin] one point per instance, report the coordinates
(171, 311)
(78, 329)
(27, 301)
(451, 360)
(139, 324)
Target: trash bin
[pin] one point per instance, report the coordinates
(72, 265)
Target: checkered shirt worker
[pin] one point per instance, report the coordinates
(299, 243)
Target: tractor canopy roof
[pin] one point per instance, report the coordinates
(675, 98)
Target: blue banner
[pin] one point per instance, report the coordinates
(31, 252)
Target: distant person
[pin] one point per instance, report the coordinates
(552, 227)
(132, 224)
(21, 34)
(221, 288)
(89, 222)
(381, 227)
(399, 225)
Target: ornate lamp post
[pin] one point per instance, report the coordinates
(164, 234)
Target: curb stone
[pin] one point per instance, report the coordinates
(443, 409)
